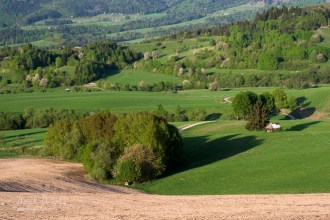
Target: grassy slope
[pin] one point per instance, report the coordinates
(27, 137)
(21, 138)
(133, 77)
(224, 158)
(144, 101)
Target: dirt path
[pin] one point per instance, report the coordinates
(194, 125)
(227, 100)
(45, 189)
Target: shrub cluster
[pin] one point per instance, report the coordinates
(133, 147)
(32, 118)
(182, 115)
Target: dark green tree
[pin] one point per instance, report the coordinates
(242, 104)
(258, 117)
(269, 101)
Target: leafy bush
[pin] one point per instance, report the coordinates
(99, 159)
(138, 164)
(63, 139)
(197, 115)
(127, 170)
(11, 121)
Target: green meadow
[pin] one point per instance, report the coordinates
(21, 139)
(317, 98)
(133, 77)
(225, 158)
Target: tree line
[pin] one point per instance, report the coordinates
(40, 69)
(31, 118)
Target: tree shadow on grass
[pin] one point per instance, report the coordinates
(302, 127)
(199, 151)
(302, 101)
(213, 117)
(110, 72)
(22, 142)
(25, 134)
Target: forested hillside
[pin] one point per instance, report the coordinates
(280, 47)
(27, 12)
(73, 22)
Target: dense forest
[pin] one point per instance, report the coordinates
(54, 20)
(31, 11)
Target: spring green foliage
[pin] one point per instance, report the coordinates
(138, 163)
(150, 130)
(283, 101)
(135, 146)
(243, 103)
(36, 68)
(267, 62)
(277, 39)
(99, 159)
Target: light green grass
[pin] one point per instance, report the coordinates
(69, 69)
(24, 138)
(43, 43)
(318, 98)
(133, 77)
(114, 101)
(224, 158)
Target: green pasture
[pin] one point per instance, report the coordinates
(133, 77)
(317, 98)
(20, 139)
(225, 158)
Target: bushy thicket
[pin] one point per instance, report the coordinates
(32, 118)
(244, 102)
(132, 147)
(180, 114)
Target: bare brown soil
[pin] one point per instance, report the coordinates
(47, 189)
(318, 116)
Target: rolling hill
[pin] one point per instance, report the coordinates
(61, 21)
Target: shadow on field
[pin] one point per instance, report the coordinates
(213, 117)
(14, 143)
(199, 151)
(301, 101)
(111, 72)
(302, 127)
(25, 134)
